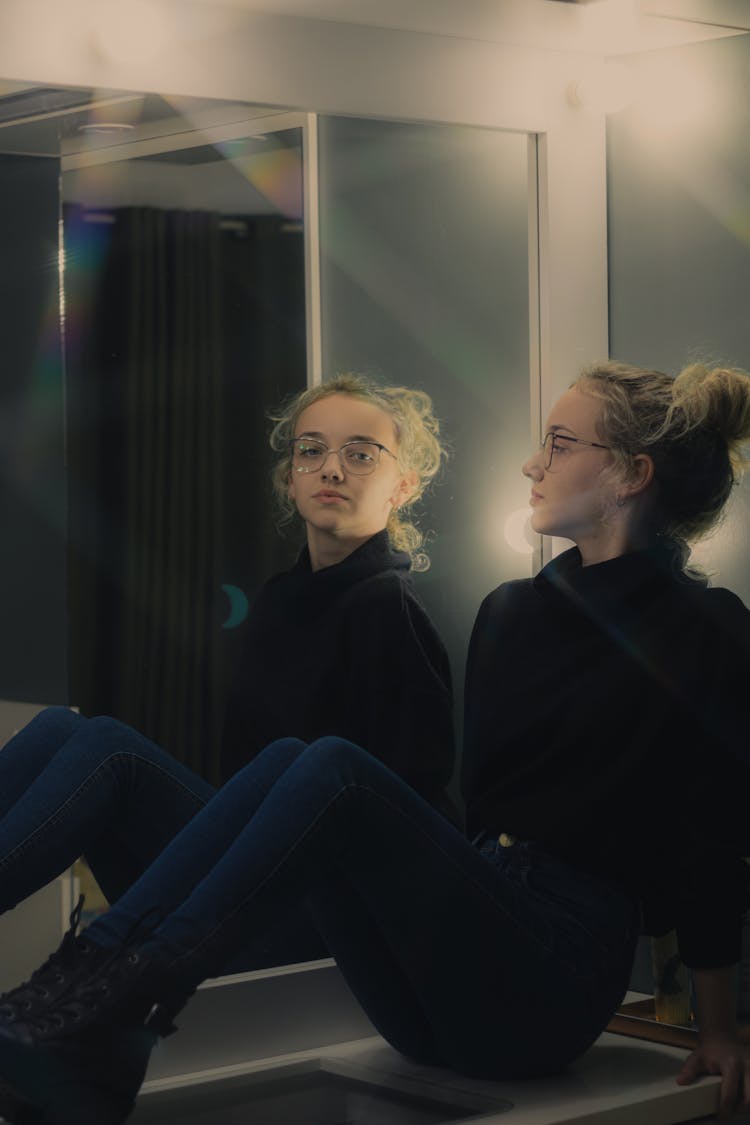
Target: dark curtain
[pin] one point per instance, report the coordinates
(143, 348)
(33, 626)
(181, 330)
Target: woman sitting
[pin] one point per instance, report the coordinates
(606, 769)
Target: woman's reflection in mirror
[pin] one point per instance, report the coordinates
(605, 776)
(340, 643)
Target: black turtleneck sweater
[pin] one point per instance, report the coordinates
(347, 650)
(607, 714)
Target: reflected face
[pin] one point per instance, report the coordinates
(571, 497)
(332, 500)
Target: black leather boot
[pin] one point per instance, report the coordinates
(80, 1058)
(75, 957)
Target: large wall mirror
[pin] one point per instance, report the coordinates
(176, 267)
(174, 316)
(421, 273)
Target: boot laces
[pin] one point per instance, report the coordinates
(108, 981)
(51, 977)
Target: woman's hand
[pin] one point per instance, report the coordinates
(719, 1049)
(727, 1056)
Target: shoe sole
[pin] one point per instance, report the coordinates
(37, 1089)
(15, 1109)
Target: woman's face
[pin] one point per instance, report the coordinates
(332, 500)
(572, 496)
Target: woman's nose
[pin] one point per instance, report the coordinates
(333, 468)
(533, 468)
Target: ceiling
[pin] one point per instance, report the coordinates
(595, 25)
(47, 121)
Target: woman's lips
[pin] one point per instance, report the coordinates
(327, 497)
(535, 497)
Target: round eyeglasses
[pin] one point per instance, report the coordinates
(358, 457)
(555, 443)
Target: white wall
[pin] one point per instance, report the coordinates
(680, 239)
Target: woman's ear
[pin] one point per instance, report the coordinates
(641, 476)
(405, 488)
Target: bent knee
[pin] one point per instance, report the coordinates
(107, 726)
(338, 753)
(112, 737)
(278, 754)
(58, 718)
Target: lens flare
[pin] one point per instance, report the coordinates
(275, 172)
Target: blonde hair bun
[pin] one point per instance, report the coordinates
(693, 427)
(716, 398)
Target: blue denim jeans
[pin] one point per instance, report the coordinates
(72, 786)
(495, 962)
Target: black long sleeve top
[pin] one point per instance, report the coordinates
(347, 650)
(607, 717)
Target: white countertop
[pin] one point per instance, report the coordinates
(620, 1081)
(248, 1030)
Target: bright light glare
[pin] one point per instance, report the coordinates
(61, 276)
(129, 31)
(671, 98)
(518, 533)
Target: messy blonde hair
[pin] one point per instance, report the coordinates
(419, 447)
(693, 426)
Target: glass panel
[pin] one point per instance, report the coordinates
(180, 239)
(184, 284)
(424, 281)
(135, 464)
